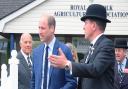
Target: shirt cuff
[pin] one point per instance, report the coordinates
(69, 67)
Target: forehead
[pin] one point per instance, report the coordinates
(88, 21)
(27, 38)
(120, 49)
(43, 21)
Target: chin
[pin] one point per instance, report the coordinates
(42, 40)
(86, 37)
(118, 59)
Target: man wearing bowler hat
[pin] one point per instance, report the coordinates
(97, 71)
(121, 65)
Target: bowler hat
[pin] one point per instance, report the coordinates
(120, 43)
(96, 11)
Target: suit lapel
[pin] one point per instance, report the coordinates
(95, 48)
(126, 66)
(99, 40)
(117, 76)
(40, 61)
(24, 63)
(55, 52)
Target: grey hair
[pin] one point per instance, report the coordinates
(22, 37)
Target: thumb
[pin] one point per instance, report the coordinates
(60, 51)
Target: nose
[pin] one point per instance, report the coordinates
(28, 43)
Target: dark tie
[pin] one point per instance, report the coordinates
(89, 53)
(45, 69)
(29, 63)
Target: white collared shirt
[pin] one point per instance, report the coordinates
(123, 63)
(94, 41)
(50, 50)
(25, 56)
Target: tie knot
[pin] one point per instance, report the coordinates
(47, 46)
(29, 62)
(120, 64)
(91, 45)
(28, 57)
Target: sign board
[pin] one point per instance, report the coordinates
(68, 14)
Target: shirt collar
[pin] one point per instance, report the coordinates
(123, 62)
(24, 54)
(94, 41)
(51, 44)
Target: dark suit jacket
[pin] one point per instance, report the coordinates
(24, 74)
(98, 72)
(59, 78)
(118, 83)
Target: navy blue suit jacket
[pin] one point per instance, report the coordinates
(59, 78)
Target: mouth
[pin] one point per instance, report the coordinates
(117, 57)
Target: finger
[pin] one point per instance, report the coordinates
(53, 65)
(60, 51)
(53, 57)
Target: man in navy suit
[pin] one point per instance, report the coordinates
(55, 78)
(97, 70)
(121, 65)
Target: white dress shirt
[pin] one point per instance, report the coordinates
(50, 50)
(25, 56)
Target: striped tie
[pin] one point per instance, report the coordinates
(120, 71)
(29, 63)
(89, 53)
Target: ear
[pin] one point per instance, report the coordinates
(94, 26)
(52, 29)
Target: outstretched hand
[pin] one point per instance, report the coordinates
(59, 61)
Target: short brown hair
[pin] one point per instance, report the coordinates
(51, 21)
(100, 23)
